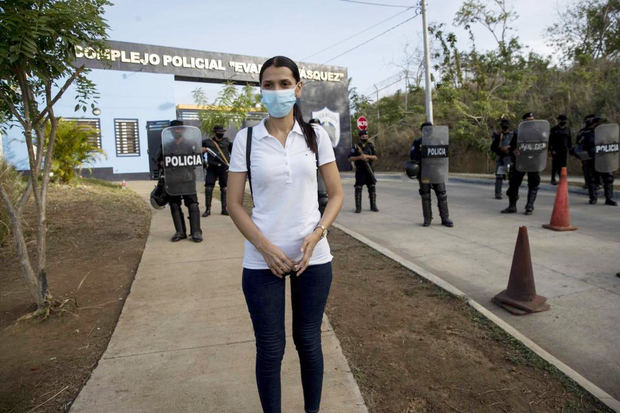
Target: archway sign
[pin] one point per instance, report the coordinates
(325, 93)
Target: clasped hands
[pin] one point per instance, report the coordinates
(281, 265)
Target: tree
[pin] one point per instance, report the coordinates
(230, 106)
(587, 30)
(37, 40)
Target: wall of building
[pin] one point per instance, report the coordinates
(126, 95)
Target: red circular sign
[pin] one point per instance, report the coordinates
(362, 123)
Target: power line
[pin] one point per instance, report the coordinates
(373, 38)
(370, 95)
(375, 4)
(357, 34)
(388, 81)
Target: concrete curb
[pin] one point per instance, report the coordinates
(590, 387)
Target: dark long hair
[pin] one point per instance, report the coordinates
(307, 129)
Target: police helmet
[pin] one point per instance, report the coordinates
(158, 198)
(412, 169)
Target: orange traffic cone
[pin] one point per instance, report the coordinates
(560, 218)
(520, 296)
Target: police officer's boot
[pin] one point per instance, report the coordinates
(358, 199)
(372, 194)
(512, 205)
(223, 199)
(592, 193)
(208, 196)
(498, 187)
(531, 198)
(609, 194)
(442, 204)
(427, 211)
(179, 222)
(194, 223)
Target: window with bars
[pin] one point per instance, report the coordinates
(127, 137)
(93, 123)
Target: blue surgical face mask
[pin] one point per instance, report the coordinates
(278, 102)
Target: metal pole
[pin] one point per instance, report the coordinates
(427, 65)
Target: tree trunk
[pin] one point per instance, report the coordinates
(37, 284)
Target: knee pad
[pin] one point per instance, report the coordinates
(607, 178)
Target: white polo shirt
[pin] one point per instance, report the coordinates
(286, 207)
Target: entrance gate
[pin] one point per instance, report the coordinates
(325, 87)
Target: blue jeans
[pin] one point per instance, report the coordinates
(264, 295)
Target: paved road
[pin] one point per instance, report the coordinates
(574, 270)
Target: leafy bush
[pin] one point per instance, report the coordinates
(13, 183)
(73, 147)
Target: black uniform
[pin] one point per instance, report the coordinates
(415, 154)
(503, 160)
(584, 165)
(515, 180)
(560, 142)
(216, 170)
(592, 177)
(364, 175)
(178, 219)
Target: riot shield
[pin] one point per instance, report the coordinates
(606, 148)
(435, 140)
(532, 145)
(181, 147)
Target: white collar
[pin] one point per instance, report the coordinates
(260, 130)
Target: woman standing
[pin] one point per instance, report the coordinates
(286, 233)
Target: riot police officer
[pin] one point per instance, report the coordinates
(364, 154)
(416, 155)
(516, 178)
(580, 153)
(500, 146)
(560, 142)
(216, 166)
(190, 200)
(594, 177)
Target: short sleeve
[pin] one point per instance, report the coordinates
(237, 156)
(326, 151)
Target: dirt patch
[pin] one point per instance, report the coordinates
(96, 236)
(414, 348)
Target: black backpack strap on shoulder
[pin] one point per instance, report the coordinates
(248, 151)
(316, 155)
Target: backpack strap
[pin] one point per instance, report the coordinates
(248, 151)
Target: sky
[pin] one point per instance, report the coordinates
(301, 29)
